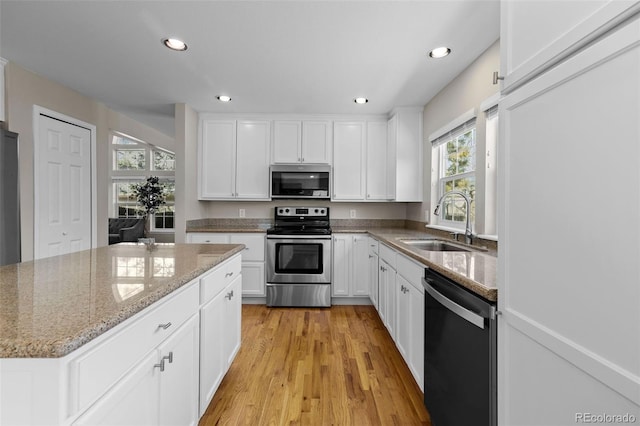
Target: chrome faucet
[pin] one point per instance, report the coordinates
(468, 234)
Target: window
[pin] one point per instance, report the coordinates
(132, 162)
(454, 164)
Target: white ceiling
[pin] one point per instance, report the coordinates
(270, 56)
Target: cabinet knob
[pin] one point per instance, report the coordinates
(164, 326)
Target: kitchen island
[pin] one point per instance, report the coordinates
(79, 331)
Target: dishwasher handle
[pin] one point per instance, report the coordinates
(462, 312)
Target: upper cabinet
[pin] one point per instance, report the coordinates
(349, 139)
(296, 141)
(405, 154)
(233, 160)
(3, 62)
(526, 50)
(380, 170)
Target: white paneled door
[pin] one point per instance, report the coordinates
(63, 184)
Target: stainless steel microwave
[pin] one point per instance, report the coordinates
(301, 181)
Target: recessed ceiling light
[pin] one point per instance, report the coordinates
(361, 100)
(224, 98)
(439, 52)
(175, 44)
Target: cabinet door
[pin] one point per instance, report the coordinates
(403, 330)
(213, 329)
(287, 137)
(373, 279)
(377, 162)
(341, 265)
(360, 284)
(179, 380)
(383, 293)
(233, 321)
(408, 155)
(254, 246)
(253, 279)
(316, 142)
(132, 401)
(390, 317)
(217, 159)
(348, 160)
(252, 160)
(416, 334)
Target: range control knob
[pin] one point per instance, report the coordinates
(322, 211)
(280, 211)
(316, 210)
(286, 210)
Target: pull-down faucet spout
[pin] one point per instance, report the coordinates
(468, 234)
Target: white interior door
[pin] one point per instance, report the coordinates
(62, 188)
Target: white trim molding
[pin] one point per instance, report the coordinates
(458, 121)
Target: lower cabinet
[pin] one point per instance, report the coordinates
(253, 257)
(219, 338)
(401, 306)
(350, 265)
(373, 272)
(161, 389)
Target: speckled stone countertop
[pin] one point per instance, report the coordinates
(50, 307)
(474, 270)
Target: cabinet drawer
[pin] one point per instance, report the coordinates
(213, 283)
(208, 238)
(388, 255)
(410, 270)
(97, 369)
(254, 246)
(373, 246)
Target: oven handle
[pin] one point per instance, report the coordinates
(298, 237)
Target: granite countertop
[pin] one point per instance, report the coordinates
(50, 307)
(474, 270)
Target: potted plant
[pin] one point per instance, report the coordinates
(150, 196)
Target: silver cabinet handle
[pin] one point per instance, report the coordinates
(228, 274)
(246, 248)
(168, 357)
(229, 295)
(164, 326)
(207, 241)
(161, 365)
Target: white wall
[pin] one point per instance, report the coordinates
(466, 91)
(25, 89)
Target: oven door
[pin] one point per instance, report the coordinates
(298, 259)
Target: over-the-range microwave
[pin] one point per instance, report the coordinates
(301, 181)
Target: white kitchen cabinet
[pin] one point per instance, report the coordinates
(253, 257)
(233, 161)
(373, 272)
(404, 134)
(575, 122)
(296, 141)
(219, 327)
(380, 173)
(349, 170)
(162, 389)
(350, 265)
(411, 310)
(387, 302)
(526, 51)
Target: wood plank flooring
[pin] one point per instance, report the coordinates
(329, 366)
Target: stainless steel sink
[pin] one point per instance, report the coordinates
(433, 245)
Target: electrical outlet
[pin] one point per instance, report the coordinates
(352, 213)
(241, 213)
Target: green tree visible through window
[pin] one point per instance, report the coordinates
(458, 173)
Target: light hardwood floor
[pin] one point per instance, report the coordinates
(330, 366)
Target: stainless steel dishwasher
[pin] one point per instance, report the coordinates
(460, 360)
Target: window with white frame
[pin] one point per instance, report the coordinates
(132, 162)
(454, 164)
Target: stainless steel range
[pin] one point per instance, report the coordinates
(299, 257)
